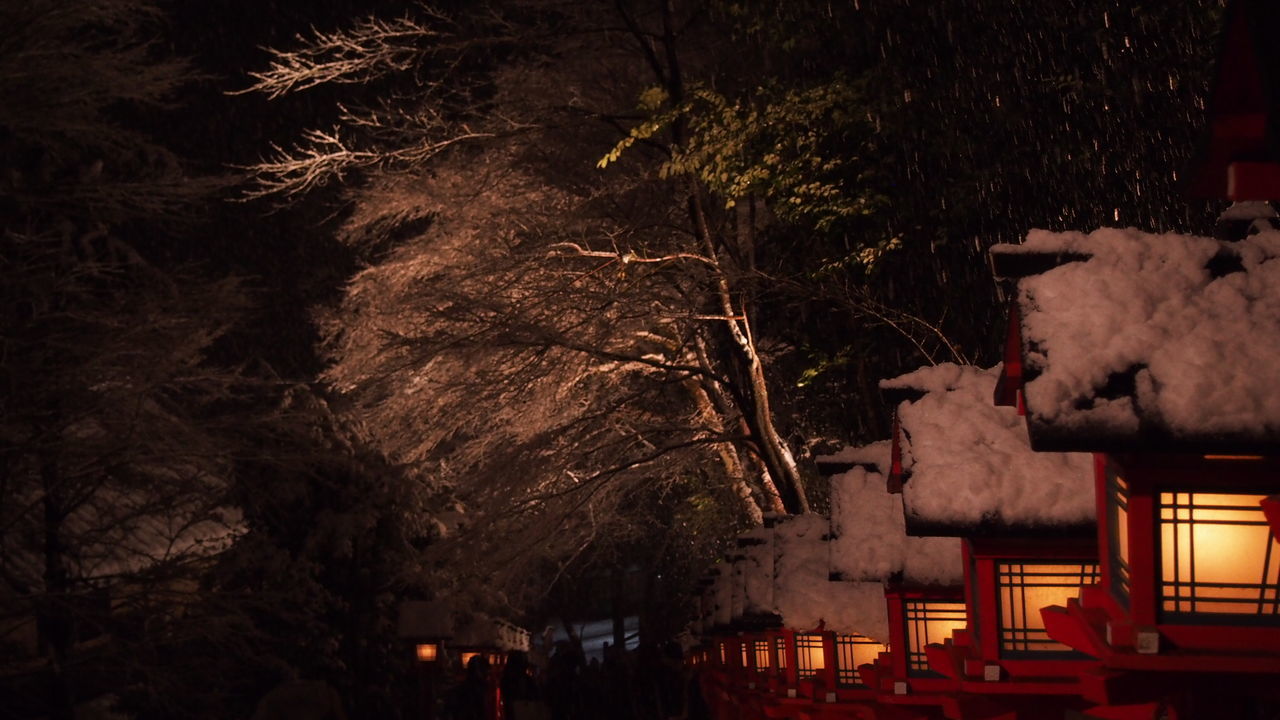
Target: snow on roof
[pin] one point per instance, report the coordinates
(969, 461)
(1169, 336)
(483, 631)
(800, 592)
(858, 607)
(870, 542)
(757, 569)
(876, 455)
(723, 614)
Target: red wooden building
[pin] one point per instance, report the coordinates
(1156, 353)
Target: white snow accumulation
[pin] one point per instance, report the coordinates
(803, 593)
(877, 454)
(724, 594)
(1203, 349)
(870, 541)
(757, 568)
(969, 460)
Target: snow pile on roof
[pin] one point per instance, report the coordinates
(482, 631)
(1149, 334)
(723, 614)
(876, 454)
(969, 461)
(757, 569)
(858, 607)
(737, 601)
(425, 619)
(800, 593)
(869, 537)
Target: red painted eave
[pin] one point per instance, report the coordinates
(1241, 111)
(1009, 384)
(1271, 509)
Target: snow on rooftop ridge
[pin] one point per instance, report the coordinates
(870, 542)
(858, 607)
(875, 454)
(942, 377)
(757, 570)
(970, 461)
(723, 614)
(801, 595)
(1143, 336)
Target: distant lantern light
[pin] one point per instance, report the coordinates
(466, 655)
(810, 658)
(780, 647)
(761, 650)
(427, 652)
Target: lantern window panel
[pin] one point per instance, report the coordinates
(1118, 534)
(1025, 587)
(724, 656)
(427, 652)
(760, 649)
(851, 651)
(780, 644)
(745, 647)
(929, 621)
(1218, 557)
(810, 659)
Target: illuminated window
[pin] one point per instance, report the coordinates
(761, 650)
(746, 653)
(1217, 555)
(466, 657)
(428, 652)
(809, 657)
(929, 621)
(724, 659)
(1118, 532)
(852, 651)
(1024, 588)
(781, 645)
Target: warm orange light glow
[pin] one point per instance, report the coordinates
(746, 654)
(854, 650)
(467, 655)
(1118, 533)
(930, 621)
(780, 644)
(724, 660)
(1218, 555)
(809, 656)
(1233, 457)
(762, 654)
(1024, 588)
(428, 652)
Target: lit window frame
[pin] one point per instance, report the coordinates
(1118, 496)
(1182, 599)
(1016, 621)
(760, 651)
(848, 650)
(920, 617)
(806, 643)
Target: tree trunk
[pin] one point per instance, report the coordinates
(775, 455)
(733, 468)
